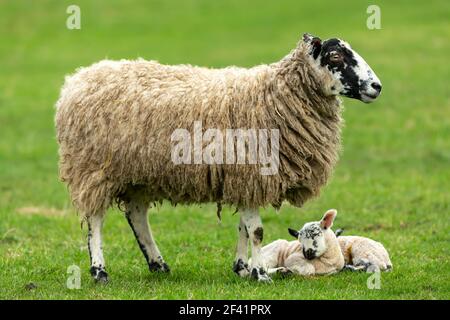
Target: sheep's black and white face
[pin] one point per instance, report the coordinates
(352, 76)
(313, 236)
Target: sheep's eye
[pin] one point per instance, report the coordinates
(336, 57)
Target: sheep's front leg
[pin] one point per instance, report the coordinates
(136, 215)
(95, 224)
(253, 224)
(240, 265)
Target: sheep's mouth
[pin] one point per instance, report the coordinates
(367, 98)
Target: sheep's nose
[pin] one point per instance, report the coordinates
(376, 86)
(309, 254)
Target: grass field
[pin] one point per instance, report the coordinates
(392, 182)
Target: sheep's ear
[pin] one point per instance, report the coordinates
(293, 233)
(315, 42)
(307, 37)
(328, 218)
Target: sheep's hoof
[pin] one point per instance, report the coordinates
(261, 275)
(284, 272)
(99, 275)
(366, 266)
(241, 268)
(155, 266)
(349, 267)
(353, 268)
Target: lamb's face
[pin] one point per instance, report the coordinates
(315, 236)
(312, 238)
(352, 76)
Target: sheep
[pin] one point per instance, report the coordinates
(315, 252)
(115, 124)
(363, 254)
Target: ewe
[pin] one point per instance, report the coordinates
(115, 122)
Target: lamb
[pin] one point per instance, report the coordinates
(363, 254)
(315, 252)
(115, 124)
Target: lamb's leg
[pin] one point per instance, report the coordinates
(136, 214)
(240, 265)
(298, 265)
(351, 267)
(279, 270)
(98, 272)
(360, 264)
(254, 226)
(366, 265)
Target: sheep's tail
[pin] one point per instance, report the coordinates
(338, 232)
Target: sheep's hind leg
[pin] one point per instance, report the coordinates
(240, 266)
(360, 265)
(253, 224)
(366, 265)
(98, 272)
(136, 214)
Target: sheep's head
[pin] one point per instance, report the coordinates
(316, 237)
(351, 75)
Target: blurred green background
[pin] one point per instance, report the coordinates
(392, 182)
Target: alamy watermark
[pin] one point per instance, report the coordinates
(374, 19)
(74, 278)
(229, 146)
(73, 21)
(374, 281)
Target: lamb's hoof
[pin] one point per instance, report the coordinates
(241, 268)
(284, 272)
(99, 275)
(349, 267)
(156, 266)
(365, 266)
(355, 268)
(261, 275)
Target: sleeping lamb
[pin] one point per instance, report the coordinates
(319, 251)
(363, 254)
(316, 252)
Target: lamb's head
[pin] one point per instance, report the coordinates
(351, 76)
(316, 237)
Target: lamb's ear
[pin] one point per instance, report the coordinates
(338, 232)
(315, 42)
(328, 218)
(293, 233)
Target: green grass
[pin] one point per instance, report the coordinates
(392, 182)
